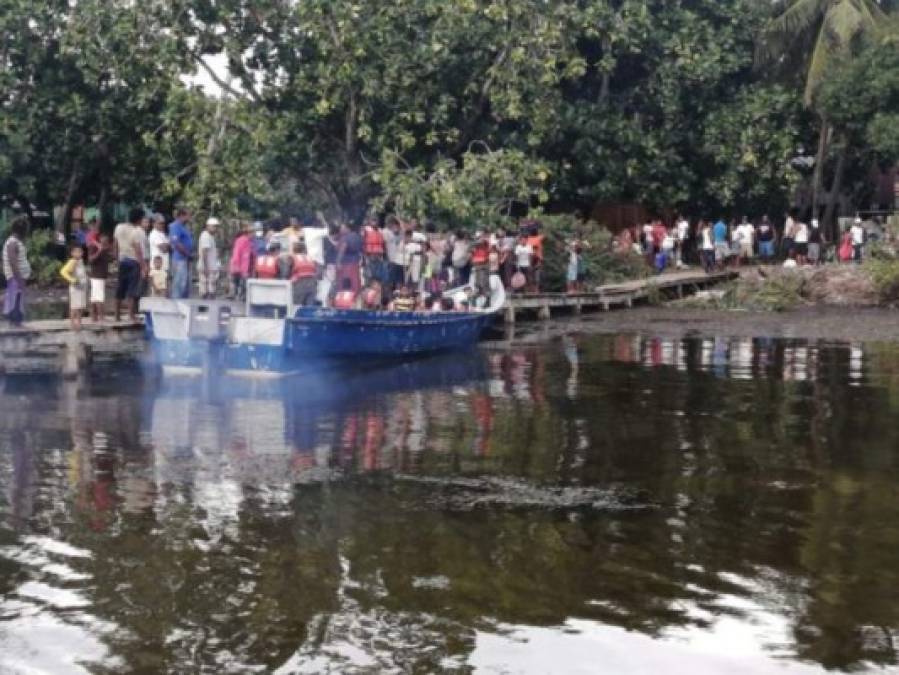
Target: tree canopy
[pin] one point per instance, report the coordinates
(465, 109)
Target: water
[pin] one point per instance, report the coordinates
(593, 504)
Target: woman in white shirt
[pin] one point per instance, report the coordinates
(800, 242)
(524, 255)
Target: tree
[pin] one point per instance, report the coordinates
(813, 33)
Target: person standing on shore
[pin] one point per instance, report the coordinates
(857, 232)
(208, 261)
(130, 256)
(349, 256)
(814, 243)
(706, 247)
(766, 238)
(719, 232)
(75, 274)
(682, 235)
(98, 257)
(17, 271)
(789, 234)
(800, 242)
(182, 244)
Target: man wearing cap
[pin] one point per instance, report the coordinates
(208, 262)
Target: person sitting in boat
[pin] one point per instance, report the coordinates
(303, 276)
(373, 296)
(268, 266)
(345, 298)
(462, 300)
(404, 300)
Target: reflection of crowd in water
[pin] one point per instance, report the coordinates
(124, 456)
(739, 358)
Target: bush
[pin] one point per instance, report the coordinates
(44, 265)
(884, 273)
(601, 264)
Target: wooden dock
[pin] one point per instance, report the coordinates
(53, 347)
(614, 296)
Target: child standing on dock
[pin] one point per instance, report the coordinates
(75, 273)
(98, 257)
(159, 279)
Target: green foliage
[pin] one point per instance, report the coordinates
(601, 263)
(44, 266)
(861, 98)
(884, 272)
(480, 190)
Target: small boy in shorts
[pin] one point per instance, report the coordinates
(99, 253)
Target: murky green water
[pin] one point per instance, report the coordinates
(597, 505)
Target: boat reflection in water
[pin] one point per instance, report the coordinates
(618, 504)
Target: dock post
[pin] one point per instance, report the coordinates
(543, 313)
(578, 306)
(509, 317)
(74, 359)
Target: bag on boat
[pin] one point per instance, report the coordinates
(519, 281)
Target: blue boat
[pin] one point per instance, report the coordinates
(270, 336)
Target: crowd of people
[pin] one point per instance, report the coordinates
(389, 263)
(716, 245)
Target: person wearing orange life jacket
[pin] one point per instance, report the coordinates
(535, 241)
(374, 252)
(274, 264)
(345, 298)
(373, 296)
(480, 261)
(303, 276)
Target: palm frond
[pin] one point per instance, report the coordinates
(782, 31)
(821, 56)
(843, 23)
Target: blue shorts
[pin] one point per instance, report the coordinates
(129, 283)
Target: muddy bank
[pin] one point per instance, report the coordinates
(814, 323)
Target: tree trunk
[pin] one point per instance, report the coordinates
(606, 75)
(74, 180)
(833, 196)
(820, 159)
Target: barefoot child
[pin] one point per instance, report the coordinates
(75, 273)
(99, 253)
(158, 279)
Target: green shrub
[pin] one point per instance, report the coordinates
(884, 272)
(44, 265)
(601, 264)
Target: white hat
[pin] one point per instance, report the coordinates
(212, 222)
(814, 222)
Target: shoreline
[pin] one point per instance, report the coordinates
(820, 322)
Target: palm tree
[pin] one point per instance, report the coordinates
(818, 32)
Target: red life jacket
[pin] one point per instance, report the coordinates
(480, 253)
(303, 267)
(345, 300)
(267, 267)
(373, 241)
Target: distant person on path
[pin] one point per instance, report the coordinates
(130, 257)
(16, 270)
(182, 244)
(241, 264)
(143, 240)
(99, 255)
(75, 274)
(707, 247)
(722, 250)
(814, 243)
(766, 237)
(858, 239)
(682, 235)
(787, 242)
(800, 242)
(208, 261)
(524, 258)
(747, 241)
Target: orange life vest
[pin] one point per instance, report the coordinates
(303, 267)
(373, 241)
(371, 298)
(536, 243)
(480, 253)
(345, 300)
(267, 267)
